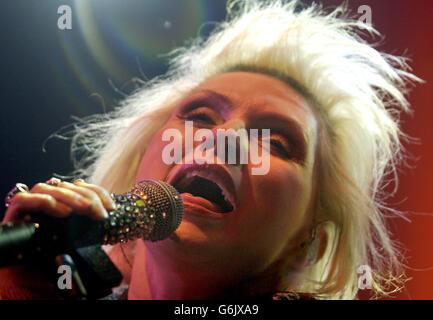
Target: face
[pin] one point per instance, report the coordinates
(236, 221)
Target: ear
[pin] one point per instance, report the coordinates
(318, 246)
(312, 252)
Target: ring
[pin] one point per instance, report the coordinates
(53, 182)
(19, 187)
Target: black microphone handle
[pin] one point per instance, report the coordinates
(14, 239)
(152, 210)
(26, 241)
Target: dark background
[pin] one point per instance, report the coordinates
(49, 76)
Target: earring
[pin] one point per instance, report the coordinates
(311, 239)
(313, 246)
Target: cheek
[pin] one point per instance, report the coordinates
(280, 200)
(151, 164)
(286, 188)
(274, 210)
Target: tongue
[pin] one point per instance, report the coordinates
(188, 197)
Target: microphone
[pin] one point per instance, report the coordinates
(151, 210)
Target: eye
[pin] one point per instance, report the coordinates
(202, 115)
(280, 146)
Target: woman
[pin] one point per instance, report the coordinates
(331, 104)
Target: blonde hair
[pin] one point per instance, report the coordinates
(358, 91)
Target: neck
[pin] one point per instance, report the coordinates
(161, 276)
(156, 277)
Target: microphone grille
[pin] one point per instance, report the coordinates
(165, 203)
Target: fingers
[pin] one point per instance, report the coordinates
(82, 201)
(105, 197)
(100, 199)
(24, 203)
(61, 200)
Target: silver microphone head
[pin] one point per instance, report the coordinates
(151, 210)
(165, 201)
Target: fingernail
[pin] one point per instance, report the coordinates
(100, 212)
(108, 201)
(78, 180)
(112, 203)
(105, 212)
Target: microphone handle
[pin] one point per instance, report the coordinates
(47, 237)
(26, 241)
(14, 239)
(152, 210)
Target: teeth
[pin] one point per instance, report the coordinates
(227, 196)
(187, 178)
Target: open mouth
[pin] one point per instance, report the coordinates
(205, 188)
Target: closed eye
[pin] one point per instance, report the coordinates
(277, 145)
(202, 115)
(281, 147)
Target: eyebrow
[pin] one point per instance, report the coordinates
(220, 101)
(286, 126)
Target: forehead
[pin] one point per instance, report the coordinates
(257, 88)
(256, 93)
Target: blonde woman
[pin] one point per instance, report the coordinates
(302, 229)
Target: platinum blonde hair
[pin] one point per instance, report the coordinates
(357, 91)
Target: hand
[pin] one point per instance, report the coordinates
(26, 281)
(60, 201)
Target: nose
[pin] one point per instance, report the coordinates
(231, 143)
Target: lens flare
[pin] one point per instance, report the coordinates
(117, 41)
